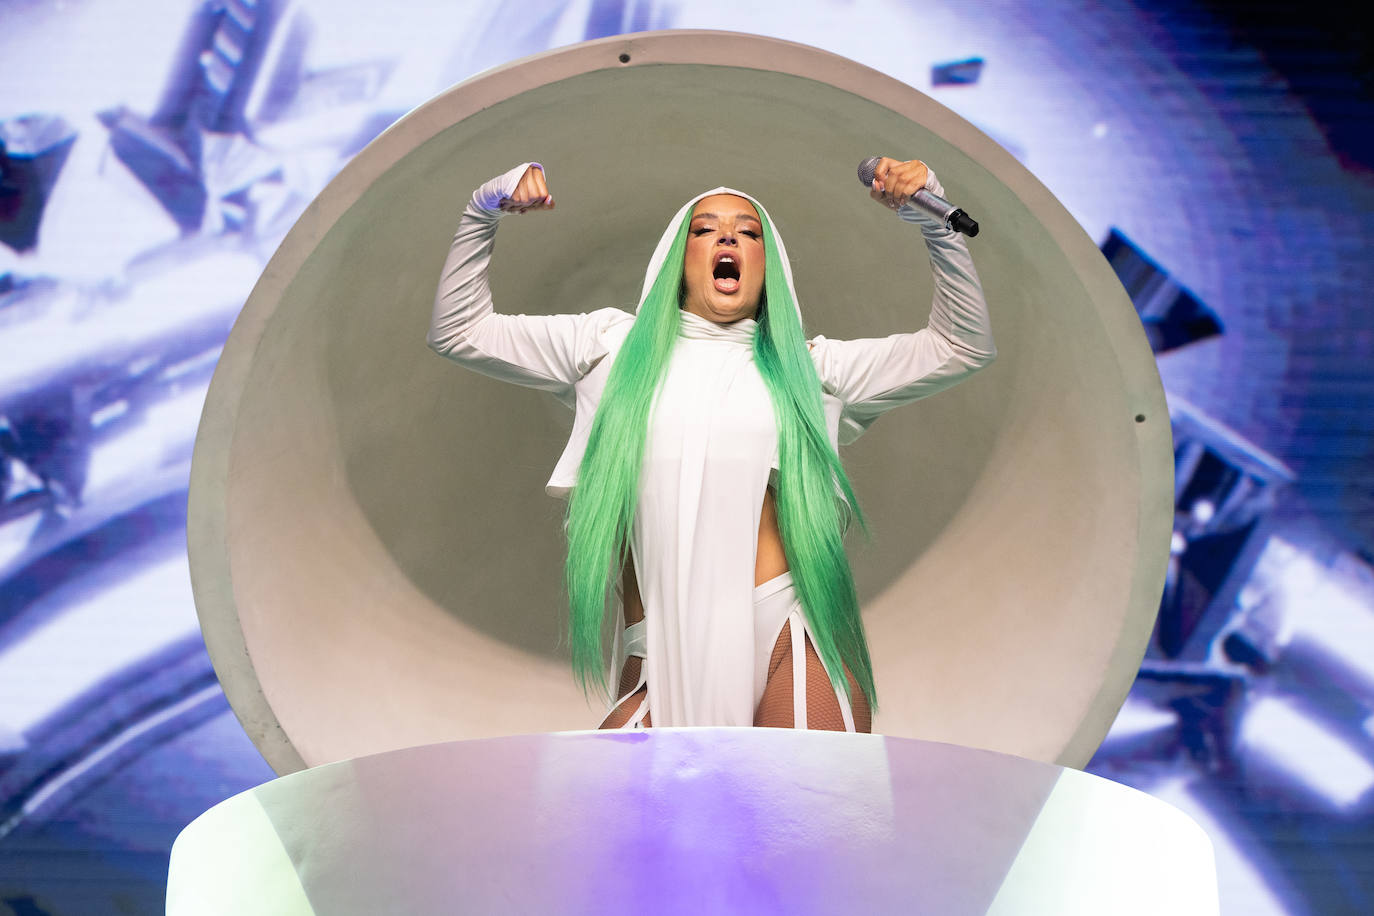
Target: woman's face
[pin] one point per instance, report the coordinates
(722, 275)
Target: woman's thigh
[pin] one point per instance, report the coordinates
(776, 707)
(626, 708)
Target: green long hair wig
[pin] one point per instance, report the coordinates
(814, 497)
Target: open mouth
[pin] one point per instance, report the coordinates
(726, 274)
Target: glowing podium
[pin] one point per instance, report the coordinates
(693, 820)
(376, 566)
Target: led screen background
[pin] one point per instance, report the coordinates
(154, 154)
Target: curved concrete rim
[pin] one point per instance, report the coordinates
(212, 576)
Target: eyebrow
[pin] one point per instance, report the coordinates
(748, 216)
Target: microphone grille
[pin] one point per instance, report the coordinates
(867, 168)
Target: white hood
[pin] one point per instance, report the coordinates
(666, 240)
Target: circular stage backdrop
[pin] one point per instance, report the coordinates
(375, 562)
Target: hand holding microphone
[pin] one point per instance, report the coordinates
(895, 183)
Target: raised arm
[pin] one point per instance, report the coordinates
(874, 375)
(541, 351)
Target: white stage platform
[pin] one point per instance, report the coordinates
(696, 820)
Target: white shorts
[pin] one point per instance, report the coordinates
(775, 604)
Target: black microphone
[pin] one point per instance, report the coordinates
(950, 216)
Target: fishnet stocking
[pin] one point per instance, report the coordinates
(822, 706)
(629, 676)
(775, 708)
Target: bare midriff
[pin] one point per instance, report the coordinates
(771, 560)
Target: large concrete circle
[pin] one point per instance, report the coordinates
(374, 559)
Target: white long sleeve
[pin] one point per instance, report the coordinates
(870, 376)
(550, 352)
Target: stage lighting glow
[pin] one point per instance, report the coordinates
(1138, 717)
(1242, 883)
(163, 437)
(82, 644)
(1203, 511)
(1308, 752)
(1328, 610)
(15, 535)
(180, 303)
(113, 747)
(109, 413)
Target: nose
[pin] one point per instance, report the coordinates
(727, 238)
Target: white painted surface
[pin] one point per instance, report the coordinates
(695, 821)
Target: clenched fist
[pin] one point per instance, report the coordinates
(531, 194)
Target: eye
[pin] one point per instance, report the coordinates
(752, 233)
(701, 230)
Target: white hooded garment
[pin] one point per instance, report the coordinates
(712, 442)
